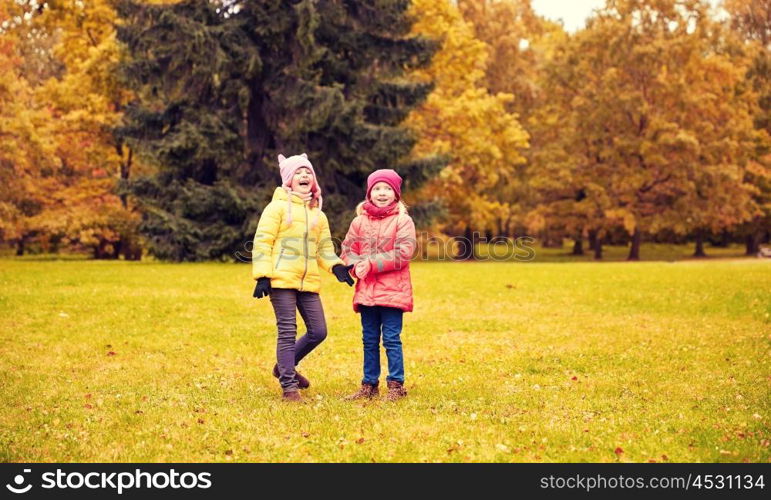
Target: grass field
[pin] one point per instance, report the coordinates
(121, 361)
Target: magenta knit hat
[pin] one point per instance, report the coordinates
(287, 167)
(388, 176)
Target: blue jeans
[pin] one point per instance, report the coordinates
(389, 319)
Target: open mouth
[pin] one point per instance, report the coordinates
(305, 183)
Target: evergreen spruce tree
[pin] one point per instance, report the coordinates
(224, 87)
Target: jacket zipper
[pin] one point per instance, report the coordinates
(378, 246)
(305, 247)
(374, 256)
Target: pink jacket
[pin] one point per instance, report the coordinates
(389, 244)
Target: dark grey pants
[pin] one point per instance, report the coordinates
(288, 352)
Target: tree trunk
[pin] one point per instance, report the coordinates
(578, 246)
(132, 250)
(507, 228)
(598, 249)
(592, 239)
(724, 240)
(634, 250)
(117, 248)
(466, 244)
(101, 250)
(550, 240)
(258, 138)
(20, 244)
(125, 172)
(699, 252)
(753, 243)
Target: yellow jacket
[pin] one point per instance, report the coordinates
(291, 254)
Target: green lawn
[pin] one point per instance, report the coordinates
(122, 361)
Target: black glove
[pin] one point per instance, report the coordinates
(342, 273)
(262, 289)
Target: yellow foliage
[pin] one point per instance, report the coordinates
(62, 147)
(461, 119)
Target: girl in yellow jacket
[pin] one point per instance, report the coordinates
(291, 243)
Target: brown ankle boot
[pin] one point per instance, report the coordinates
(367, 391)
(302, 382)
(396, 390)
(292, 397)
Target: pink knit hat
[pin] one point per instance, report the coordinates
(388, 176)
(288, 167)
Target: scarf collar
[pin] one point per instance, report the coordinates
(380, 212)
(304, 197)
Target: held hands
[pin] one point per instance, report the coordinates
(262, 289)
(341, 273)
(362, 269)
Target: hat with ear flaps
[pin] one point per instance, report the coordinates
(287, 168)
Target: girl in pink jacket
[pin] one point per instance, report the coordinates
(380, 244)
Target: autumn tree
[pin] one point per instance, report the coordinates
(463, 121)
(88, 101)
(661, 127)
(25, 169)
(69, 52)
(751, 20)
(520, 43)
(513, 34)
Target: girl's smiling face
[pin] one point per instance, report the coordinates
(302, 181)
(382, 194)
